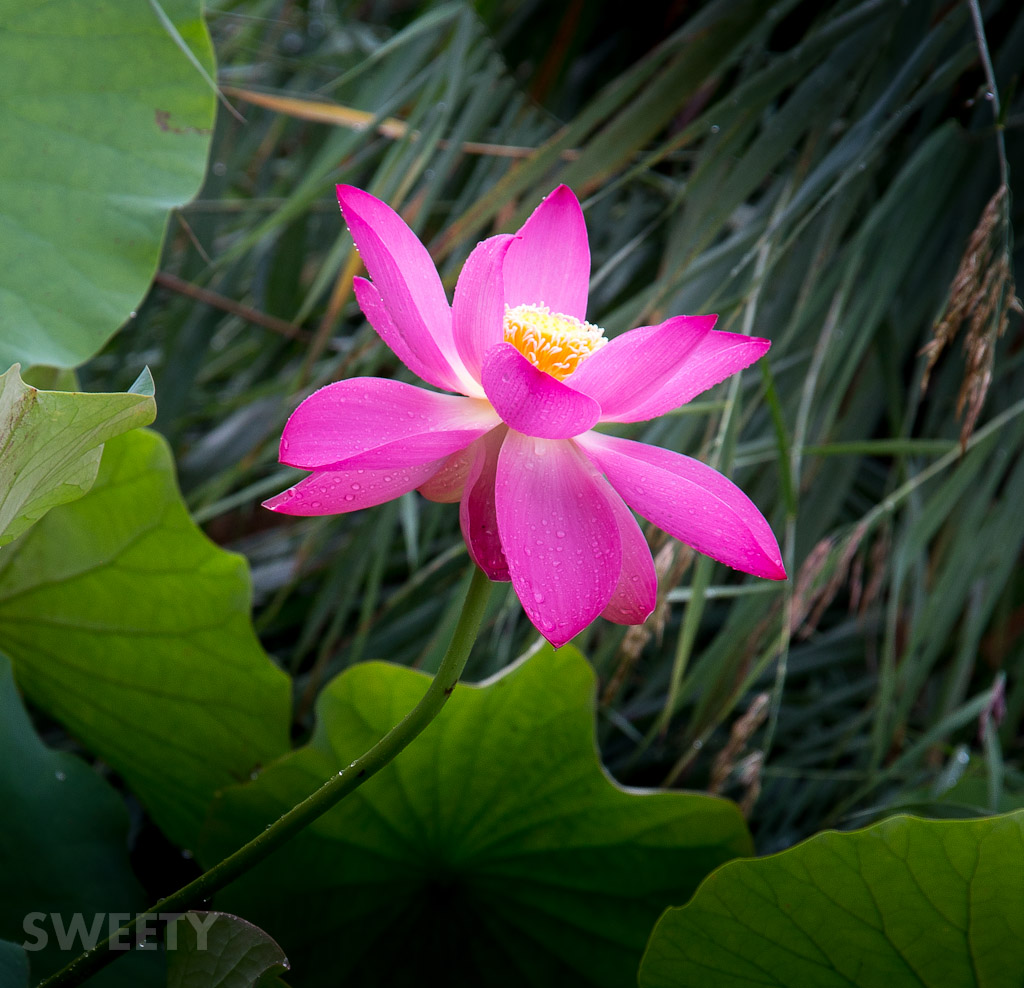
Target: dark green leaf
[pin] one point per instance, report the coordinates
(906, 902)
(130, 627)
(218, 950)
(495, 849)
(64, 845)
(13, 965)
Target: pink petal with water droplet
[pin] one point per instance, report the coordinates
(550, 263)
(477, 516)
(478, 309)
(718, 356)
(531, 401)
(407, 284)
(448, 485)
(377, 422)
(636, 592)
(630, 369)
(690, 501)
(331, 492)
(418, 352)
(559, 533)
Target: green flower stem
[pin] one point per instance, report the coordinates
(301, 816)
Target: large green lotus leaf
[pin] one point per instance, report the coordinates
(63, 851)
(50, 445)
(907, 902)
(493, 851)
(129, 626)
(106, 123)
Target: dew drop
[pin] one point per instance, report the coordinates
(59, 776)
(350, 497)
(539, 597)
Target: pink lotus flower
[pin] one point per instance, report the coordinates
(543, 498)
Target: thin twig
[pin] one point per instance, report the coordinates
(204, 295)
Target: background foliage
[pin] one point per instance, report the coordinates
(814, 175)
(836, 177)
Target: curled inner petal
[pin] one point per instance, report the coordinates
(531, 401)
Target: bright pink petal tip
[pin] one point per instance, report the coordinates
(533, 402)
(631, 369)
(410, 302)
(550, 262)
(691, 501)
(718, 356)
(332, 492)
(559, 533)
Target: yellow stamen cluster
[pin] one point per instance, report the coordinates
(552, 342)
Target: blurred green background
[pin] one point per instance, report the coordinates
(827, 175)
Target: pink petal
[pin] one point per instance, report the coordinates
(406, 282)
(449, 483)
(690, 501)
(636, 593)
(718, 356)
(629, 370)
(477, 516)
(559, 532)
(478, 309)
(419, 352)
(374, 422)
(331, 492)
(550, 263)
(531, 401)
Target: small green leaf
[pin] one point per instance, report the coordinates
(143, 384)
(218, 950)
(50, 445)
(906, 902)
(65, 841)
(130, 627)
(106, 125)
(494, 850)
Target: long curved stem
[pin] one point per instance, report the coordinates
(314, 806)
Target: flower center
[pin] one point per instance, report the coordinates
(552, 342)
